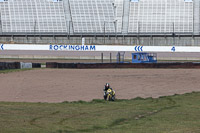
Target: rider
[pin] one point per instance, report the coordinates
(106, 87)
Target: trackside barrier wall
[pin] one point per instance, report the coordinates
(60, 65)
(25, 65)
(121, 65)
(18, 65)
(9, 65)
(36, 65)
(67, 65)
(51, 65)
(29, 65)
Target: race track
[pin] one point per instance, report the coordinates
(78, 54)
(58, 85)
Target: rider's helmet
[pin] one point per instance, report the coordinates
(107, 85)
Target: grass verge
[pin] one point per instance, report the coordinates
(171, 114)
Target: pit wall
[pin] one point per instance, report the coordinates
(121, 65)
(145, 41)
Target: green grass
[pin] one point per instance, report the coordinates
(172, 114)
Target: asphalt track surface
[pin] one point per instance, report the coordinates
(78, 54)
(59, 85)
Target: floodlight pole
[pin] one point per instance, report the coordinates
(104, 31)
(35, 30)
(110, 57)
(115, 19)
(115, 23)
(69, 29)
(138, 33)
(173, 34)
(1, 25)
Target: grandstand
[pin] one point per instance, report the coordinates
(160, 16)
(145, 22)
(29, 16)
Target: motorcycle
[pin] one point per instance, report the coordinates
(109, 95)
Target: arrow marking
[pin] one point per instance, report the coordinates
(138, 48)
(141, 48)
(135, 48)
(2, 47)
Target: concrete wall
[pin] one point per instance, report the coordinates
(121, 65)
(145, 41)
(18, 65)
(9, 65)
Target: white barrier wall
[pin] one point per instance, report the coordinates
(25, 65)
(100, 48)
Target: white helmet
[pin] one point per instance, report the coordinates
(107, 85)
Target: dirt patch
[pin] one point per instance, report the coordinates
(58, 85)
